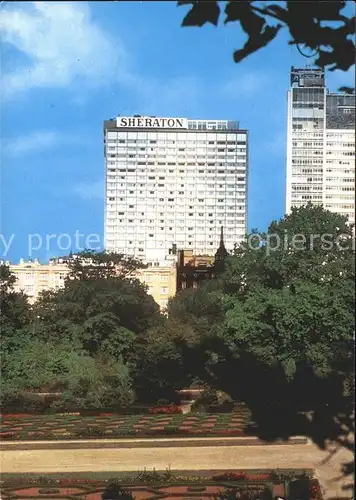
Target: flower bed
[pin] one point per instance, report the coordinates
(128, 410)
(257, 484)
(171, 409)
(13, 415)
(233, 476)
(49, 427)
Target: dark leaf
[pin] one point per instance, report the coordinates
(349, 26)
(305, 21)
(341, 57)
(252, 45)
(236, 9)
(327, 11)
(302, 24)
(201, 13)
(242, 11)
(281, 14)
(347, 90)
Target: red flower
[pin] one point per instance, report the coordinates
(315, 492)
(165, 410)
(7, 435)
(14, 415)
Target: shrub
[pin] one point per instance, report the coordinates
(86, 382)
(315, 491)
(164, 402)
(171, 429)
(36, 404)
(24, 402)
(230, 476)
(207, 398)
(102, 393)
(114, 491)
(225, 407)
(300, 488)
(124, 433)
(90, 431)
(279, 477)
(39, 480)
(153, 476)
(234, 494)
(212, 401)
(196, 489)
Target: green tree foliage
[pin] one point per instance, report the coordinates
(165, 356)
(14, 309)
(85, 382)
(78, 338)
(101, 308)
(90, 265)
(324, 28)
(198, 308)
(159, 370)
(96, 383)
(283, 343)
(14, 316)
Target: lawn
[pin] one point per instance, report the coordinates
(48, 427)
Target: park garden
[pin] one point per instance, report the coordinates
(268, 344)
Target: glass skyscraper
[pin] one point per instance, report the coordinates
(320, 144)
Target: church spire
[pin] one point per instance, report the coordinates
(221, 252)
(222, 237)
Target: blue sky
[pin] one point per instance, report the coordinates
(69, 66)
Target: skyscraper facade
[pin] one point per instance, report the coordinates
(320, 145)
(172, 183)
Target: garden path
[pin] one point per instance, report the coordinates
(182, 458)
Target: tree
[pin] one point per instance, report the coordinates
(100, 305)
(157, 361)
(324, 28)
(311, 243)
(78, 339)
(14, 315)
(14, 309)
(284, 344)
(90, 265)
(184, 306)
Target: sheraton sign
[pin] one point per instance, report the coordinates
(150, 122)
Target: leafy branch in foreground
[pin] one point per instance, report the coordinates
(324, 28)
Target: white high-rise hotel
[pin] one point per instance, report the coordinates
(320, 144)
(174, 181)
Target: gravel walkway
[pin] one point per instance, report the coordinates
(192, 458)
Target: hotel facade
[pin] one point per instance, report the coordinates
(320, 145)
(172, 183)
